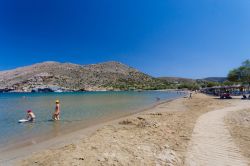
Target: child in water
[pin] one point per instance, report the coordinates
(30, 116)
(56, 115)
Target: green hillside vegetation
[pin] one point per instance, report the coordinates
(131, 84)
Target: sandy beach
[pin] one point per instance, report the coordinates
(239, 127)
(124, 83)
(162, 135)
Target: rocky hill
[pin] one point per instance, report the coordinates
(54, 76)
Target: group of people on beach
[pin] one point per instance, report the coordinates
(55, 116)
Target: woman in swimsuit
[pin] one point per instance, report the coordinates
(56, 115)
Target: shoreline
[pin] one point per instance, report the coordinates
(158, 136)
(11, 154)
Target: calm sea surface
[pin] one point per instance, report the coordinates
(78, 110)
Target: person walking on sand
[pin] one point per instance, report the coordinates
(190, 95)
(56, 115)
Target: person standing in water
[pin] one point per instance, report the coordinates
(56, 115)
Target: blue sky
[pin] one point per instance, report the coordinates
(191, 38)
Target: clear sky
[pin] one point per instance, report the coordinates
(188, 38)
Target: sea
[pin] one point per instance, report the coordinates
(78, 110)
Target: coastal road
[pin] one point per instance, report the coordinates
(211, 142)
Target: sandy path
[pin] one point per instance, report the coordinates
(211, 142)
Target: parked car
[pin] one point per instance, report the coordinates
(225, 96)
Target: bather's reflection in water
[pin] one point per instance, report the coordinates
(30, 125)
(56, 128)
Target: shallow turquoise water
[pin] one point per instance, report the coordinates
(78, 110)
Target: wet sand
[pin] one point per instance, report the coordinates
(158, 136)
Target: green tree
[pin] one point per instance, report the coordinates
(190, 86)
(227, 83)
(240, 74)
(211, 84)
